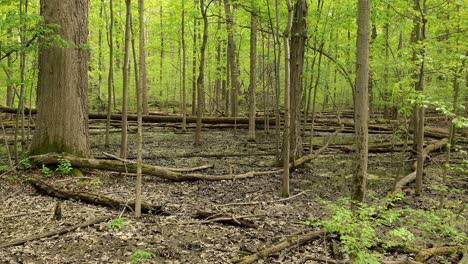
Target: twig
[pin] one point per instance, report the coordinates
(75, 178)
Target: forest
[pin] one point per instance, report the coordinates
(234, 131)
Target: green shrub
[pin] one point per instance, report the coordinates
(139, 255)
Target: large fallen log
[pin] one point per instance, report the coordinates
(62, 231)
(119, 166)
(286, 243)
(412, 176)
(91, 198)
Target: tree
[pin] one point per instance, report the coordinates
(253, 72)
(110, 79)
(361, 101)
(143, 78)
(298, 38)
(125, 74)
(233, 67)
(287, 102)
(62, 100)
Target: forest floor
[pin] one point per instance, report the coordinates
(179, 237)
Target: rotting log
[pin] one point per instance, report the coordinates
(377, 148)
(425, 254)
(412, 176)
(62, 231)
(90, 198)
(210, 217)
(119, 166)
(283, 244)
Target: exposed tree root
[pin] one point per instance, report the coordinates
(286, 243)
(412, 176)
(65, 230)
(119, 166)
(90, 198)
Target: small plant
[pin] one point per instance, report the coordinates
(46, 171)
(64, 167)
(4, 168)
(139, 255)
(118, 223)
(25, 164)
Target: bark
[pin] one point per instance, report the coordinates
(62, 100)
(142, 50)
(124, 167)
(125, 76)
(361, 103)
(253, 72)
(184, 70)
(234, 69)
(110, 79)
(297, 42)
(201, 74)
(90, 198)
(284, 244)
(287, 103)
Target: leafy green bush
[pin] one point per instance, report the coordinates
(117, 223)
(64, 167)
(25, 164)
(139, 255)
(46, 171)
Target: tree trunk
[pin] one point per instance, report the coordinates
(62, 100)
(110, 79)
(143, 74)
(253, 72)
(184, 70)
(125, 75)
(201, 74)
(194, 64)
(361, 111)
(287, 103)
(234, 69)
(298, 38)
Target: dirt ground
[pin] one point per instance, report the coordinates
(179, 237)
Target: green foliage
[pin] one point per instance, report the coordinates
(64, 167)
(25, 164)
(117, 223)
(388, 227)
(140, 255)
(46, 171)
(4, 168)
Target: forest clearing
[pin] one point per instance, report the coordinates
(227, 131)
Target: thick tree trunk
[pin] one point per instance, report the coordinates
(62, 121)
(361, 110)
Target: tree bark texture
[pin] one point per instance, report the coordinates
(298, 39)
(253, 72)
(361, 109)
(233, 67)
(62, 93)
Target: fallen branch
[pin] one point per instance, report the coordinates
(309, 157)
(412, 176)
(171, 169)
(62, 231)
(242, 220)
(263, 202)
(125, 167)
(90, 198)
(426, 254)
(286, 243)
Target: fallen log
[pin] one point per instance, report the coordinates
(284, 244)
(376, 148)
(62, 231)
(426, 254)
(119, 166)
(210, 217)
(89, 198)
(412, 176)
